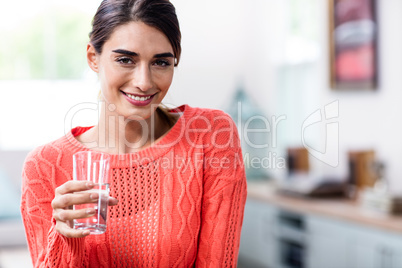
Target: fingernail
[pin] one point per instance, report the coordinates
(90, 184)
(85, 233)
(94, 196)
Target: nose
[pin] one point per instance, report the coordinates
(143, 78)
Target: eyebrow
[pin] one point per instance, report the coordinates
(164, 55)
(125, 52)
(133, 54)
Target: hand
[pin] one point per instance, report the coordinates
(66, 196)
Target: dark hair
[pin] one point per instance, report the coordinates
(160, 14)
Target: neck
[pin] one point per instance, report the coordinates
(118, 135)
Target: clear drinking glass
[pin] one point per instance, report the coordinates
(93, 166)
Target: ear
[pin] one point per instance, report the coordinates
(92, 58)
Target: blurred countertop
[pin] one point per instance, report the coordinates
(338, 208)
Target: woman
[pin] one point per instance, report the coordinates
(177, 178)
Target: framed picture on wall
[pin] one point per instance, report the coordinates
(353, 44)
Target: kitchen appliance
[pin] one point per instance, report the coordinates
(307, 184)
(292, 240)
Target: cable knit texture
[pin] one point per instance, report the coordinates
(181, 201)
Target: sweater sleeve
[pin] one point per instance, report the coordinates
(224, 197)
(47, 247)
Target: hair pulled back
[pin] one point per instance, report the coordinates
(160, 14)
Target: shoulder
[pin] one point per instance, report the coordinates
(212, 118)
(209, 112)
(48, 150)
(48, 165)
(46, 156)
(214, 128)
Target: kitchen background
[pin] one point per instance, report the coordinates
(276, 51)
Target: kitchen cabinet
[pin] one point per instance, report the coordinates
(337, 244)
(328, 243)
(376, 249)
(258, 246)
(271, 232)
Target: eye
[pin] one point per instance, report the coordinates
(124, 60)
(162, 63)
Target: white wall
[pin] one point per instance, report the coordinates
(373, 119)
(230, 42)
(225, 43)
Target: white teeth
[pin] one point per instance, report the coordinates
(138, 98)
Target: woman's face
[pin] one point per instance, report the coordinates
(135, 69)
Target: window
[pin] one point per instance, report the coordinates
(43, 69)
(299, 72)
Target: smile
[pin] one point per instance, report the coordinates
(137, 98)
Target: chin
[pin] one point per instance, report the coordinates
(138, 113)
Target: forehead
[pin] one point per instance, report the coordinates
(138, 37)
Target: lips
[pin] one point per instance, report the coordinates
(138, 100)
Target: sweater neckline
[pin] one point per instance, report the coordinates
(149, 154)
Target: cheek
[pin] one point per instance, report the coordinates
(110, 79)
(165, 81)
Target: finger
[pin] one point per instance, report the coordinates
(69, 232)
(74, 186)
(68, 200)
(69, 215)
(112, 201)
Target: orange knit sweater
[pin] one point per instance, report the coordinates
(181, 201)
